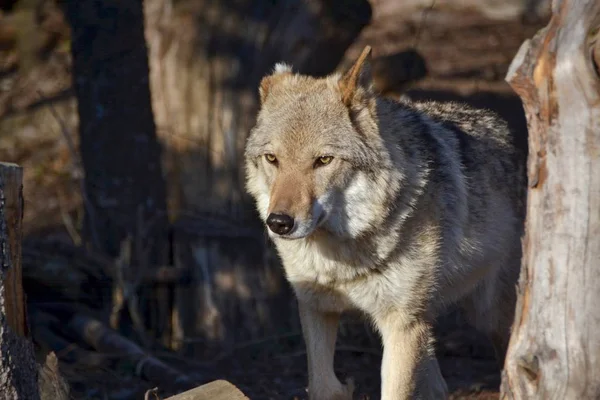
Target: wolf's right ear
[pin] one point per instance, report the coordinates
(266, 84)
(358, 77)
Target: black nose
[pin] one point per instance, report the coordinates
(280, 223)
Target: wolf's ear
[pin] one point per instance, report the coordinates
(357, 77)
(266, 84)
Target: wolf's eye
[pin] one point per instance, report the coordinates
(324, 160)
(271, 158)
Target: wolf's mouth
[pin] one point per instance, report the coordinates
(320, 220)
(289, 238)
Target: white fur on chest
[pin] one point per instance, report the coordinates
(346, 276)
(310, 261)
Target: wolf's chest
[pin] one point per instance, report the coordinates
(331, 278)
(325, 264)
(343, 277)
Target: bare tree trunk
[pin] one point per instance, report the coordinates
(18, 370)
(554, 351)
(125, 195)
(206, 60)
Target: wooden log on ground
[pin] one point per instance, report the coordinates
(216, 390)
(554, 351)
(51, 384)
(18, 370)
(100, 337)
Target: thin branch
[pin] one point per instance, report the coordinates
(67, 220)
(130, 292)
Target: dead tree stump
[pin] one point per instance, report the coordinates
(18, 370)
(554, 351)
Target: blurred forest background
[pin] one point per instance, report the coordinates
(144, 262)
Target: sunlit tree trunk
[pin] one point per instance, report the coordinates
(554, 351)
(206, 60)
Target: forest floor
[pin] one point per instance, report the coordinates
(467, 59)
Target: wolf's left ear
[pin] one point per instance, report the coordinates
(280, 71)
(358, 78)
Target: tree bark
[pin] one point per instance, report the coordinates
(206, 60)
(14, 302)
(18, 370)
(554, 351)
(125, 195)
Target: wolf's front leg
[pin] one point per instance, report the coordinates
(320, 331)
(405, 353)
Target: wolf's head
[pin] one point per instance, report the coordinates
(315, 158)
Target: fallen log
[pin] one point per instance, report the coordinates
(216, 390)
(100, 337)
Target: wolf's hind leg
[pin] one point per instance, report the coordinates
(500, 341)
(431, 384)
(490, 309)
(320, 331)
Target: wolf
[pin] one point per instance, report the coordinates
(396, 209)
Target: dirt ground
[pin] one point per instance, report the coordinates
(279, 366)
(467, 58)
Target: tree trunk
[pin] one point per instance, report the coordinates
(125, 195)
(206, 60)
(554, 351)
(18, 370)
